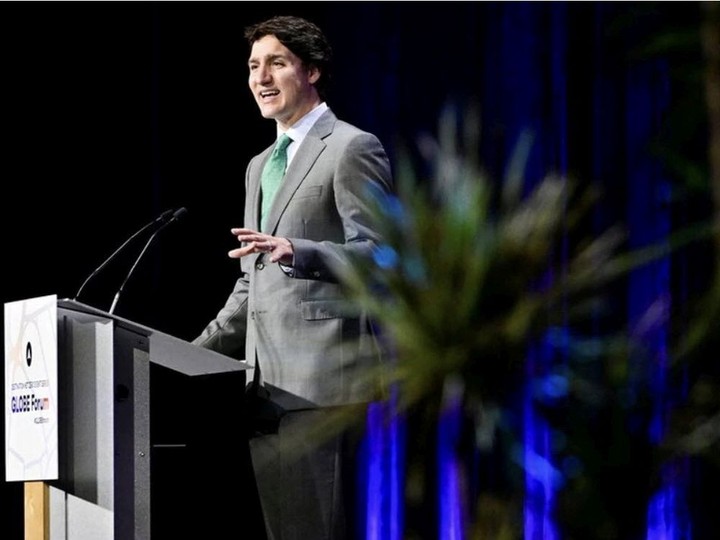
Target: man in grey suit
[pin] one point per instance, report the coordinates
(286, 315)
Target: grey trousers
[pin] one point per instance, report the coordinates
(306, 484)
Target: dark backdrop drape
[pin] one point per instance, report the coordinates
(113, 112)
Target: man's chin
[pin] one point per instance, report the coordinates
(271, 113)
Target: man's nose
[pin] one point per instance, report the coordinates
(262, 75)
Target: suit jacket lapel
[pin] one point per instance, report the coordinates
(311, 147)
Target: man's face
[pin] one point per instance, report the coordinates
(282, 86)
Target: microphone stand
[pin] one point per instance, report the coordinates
(177, 215)
(161, 219)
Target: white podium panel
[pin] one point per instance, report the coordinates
(31, 382)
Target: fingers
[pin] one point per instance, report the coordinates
(241, 231)
(248, 235)
(252, 247)
(262, 246)
(256, 242)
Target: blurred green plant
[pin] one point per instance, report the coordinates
(467, 282)
(461, 281)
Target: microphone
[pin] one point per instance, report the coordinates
(180, 212)
(162, 218)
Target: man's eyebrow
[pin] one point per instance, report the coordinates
(267, 57)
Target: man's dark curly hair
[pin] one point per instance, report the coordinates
(303, 38)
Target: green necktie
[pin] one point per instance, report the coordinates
(272, 175)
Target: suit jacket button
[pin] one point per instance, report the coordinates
(316, 273)
(259, 266)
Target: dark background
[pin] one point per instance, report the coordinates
(112, 112)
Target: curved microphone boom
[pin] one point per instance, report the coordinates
(162, 218)
(180, 212)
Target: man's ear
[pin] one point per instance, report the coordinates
(313, 74)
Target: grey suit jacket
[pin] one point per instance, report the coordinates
(307, 341)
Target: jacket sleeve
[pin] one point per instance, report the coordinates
(226, 333)
(363, 168)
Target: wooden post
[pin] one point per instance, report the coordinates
(37, 511)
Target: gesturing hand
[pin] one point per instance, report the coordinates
(280, 249)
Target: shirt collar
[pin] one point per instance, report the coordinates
(301, 128)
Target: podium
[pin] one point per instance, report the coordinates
(151, 437)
